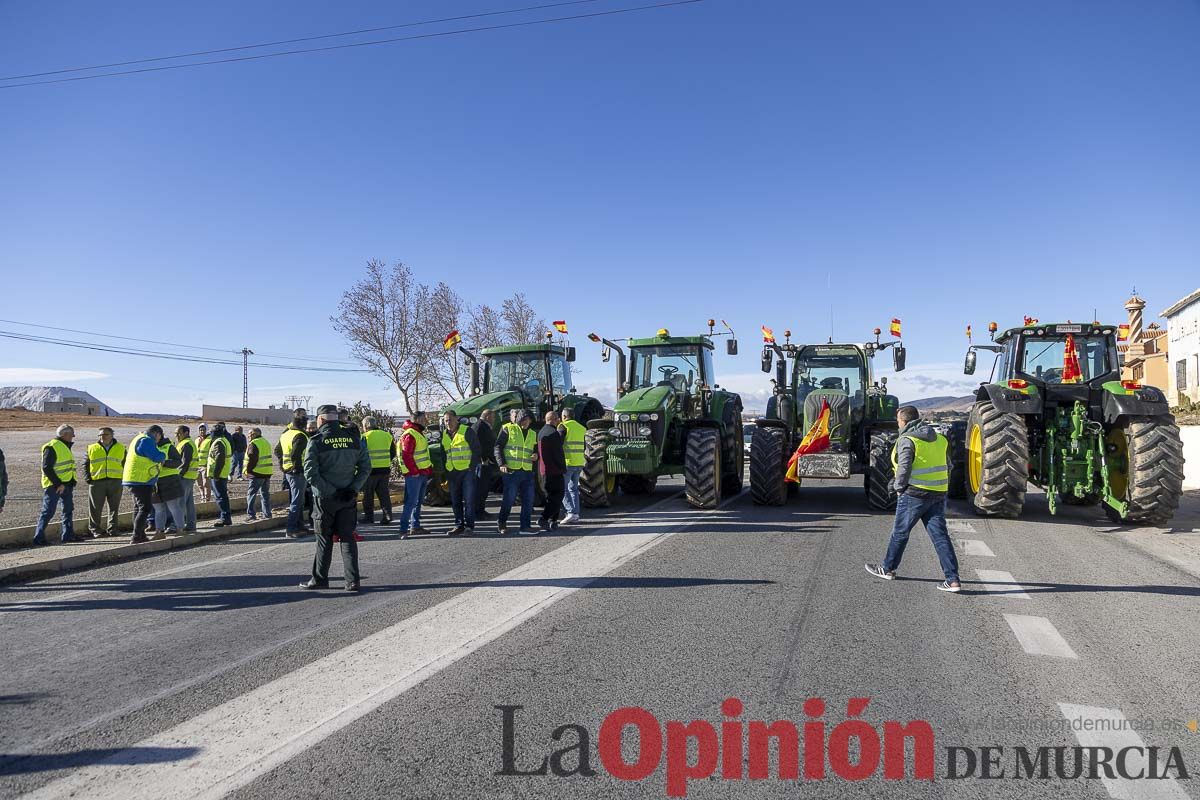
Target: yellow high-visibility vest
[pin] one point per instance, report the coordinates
(263, 467)
(164, 471)
(227, 449)
(574, 434)
(285, 445)
(202, 448)
(457, 450)
(519, 449)
(183, 445)
(379, 446)
(103, 463)
(420, 450)
(930, 469)
(64, 462)
(138, 468)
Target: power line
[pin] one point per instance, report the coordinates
(394, 40)
(298, 40)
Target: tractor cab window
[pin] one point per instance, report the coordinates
(518, 372)
(680, 366)
(560, 374)
(831, 370)
(1046, 359)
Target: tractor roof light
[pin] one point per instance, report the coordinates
(663, 333)
(1130, 385)
(1018, 383)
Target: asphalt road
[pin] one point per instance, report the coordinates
(205, 672)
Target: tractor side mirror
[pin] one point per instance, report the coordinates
(766, 360)
(606, 354)
(570, 354)
(899, 354)
(731, 347)
(969, 364)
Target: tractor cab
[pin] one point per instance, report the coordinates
(832, 374)
(537, 372)
(683, 364)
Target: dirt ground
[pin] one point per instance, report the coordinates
(22, 434)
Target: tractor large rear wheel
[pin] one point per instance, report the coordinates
(997, 461)
(638, 484)
(702, 467)
(596, 487)
(768, 452)
(878, 482)
(1152, 481)
(734, 477)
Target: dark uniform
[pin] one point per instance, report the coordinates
(336, 467)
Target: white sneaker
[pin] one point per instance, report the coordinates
(569, 519)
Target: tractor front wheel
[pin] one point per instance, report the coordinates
(997, 461)
(768, 452)
(596, 487)
(735, 462)
(1145, 456)
(702, 467)
(438, 491)
(881, 494)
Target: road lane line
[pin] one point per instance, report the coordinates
(960, 526)
(995, 580)
(1038, 636)
(975, 547)
(1109, 728)
(240, 740)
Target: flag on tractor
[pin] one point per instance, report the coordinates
(1030, 321)
(968, 333)
(560, 325)
(1123, 332)
(895, 327)
(768, 335)
(816, 440)
(452, 339)
(1071, 371)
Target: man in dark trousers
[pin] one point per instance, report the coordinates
(462, 470)
(336, 466)
(516, 452)
(552, 463)
(289, 452)
(485, 435)
(239, 442)
(58, 484)
(381, 446)
(920, 458)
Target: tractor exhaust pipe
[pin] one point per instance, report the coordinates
(474, 369)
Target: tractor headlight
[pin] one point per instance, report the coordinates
(622, 418)
(616, 433)
(654, 417)
(643, 417)
(644, 430)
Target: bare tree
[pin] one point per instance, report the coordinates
(484, 328)
(385, 319)
(447, 369)
(520, 323)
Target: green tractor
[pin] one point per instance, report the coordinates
(862, 419)
(1057, 414)
(534, 377)
(670, 418)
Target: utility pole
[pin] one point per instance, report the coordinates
(246, 353)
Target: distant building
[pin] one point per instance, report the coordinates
(271, 415)
(1183, 372)
(1145, 350)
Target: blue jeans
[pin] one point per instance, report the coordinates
(189, 503)
(168, 514)
(220, 487)
(235, 468)
(462, 496)
(518, 481)
(414, 495)
(260, 490)
(296, 484)
(932, 512)
(50, 499)
(571, 496)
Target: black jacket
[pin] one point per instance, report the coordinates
(551, 458)
(334, 459)
(169, 487)
(3, 480)
(298, 444)
(486, 438)
(239, 442)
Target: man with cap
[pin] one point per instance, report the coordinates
(103, 465)
(417, 468)
(259, 467)
(462, 469)
(58, 483)
(336, 466)
(381, 446)
(515, 452)
(143, 462)
(289, 452)
(220, 464)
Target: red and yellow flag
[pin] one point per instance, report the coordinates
(816, 440)
(768, 335)
(1123, 332)
(895, 327)
(560, 325)
(1030, 321)
(1071, 371)
(968, 333)
(452, 340)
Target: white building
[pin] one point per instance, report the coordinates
(1183, 349)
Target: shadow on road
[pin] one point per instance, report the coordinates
(1029, 587)
(38, 762)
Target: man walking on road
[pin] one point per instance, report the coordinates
(485, 437)
(142, 460)
(417, 468)
(516, 448)
(189, 464)
(573, 434)
(552, 463)
(381, 446)
(58, 483)
(290, 454)
(337, 467)
(260, 468)
(920, 459)
(103, 466)
(462, 469)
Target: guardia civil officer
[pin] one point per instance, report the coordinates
(336, 466)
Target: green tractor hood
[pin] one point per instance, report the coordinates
(474, 406)
(651, 398)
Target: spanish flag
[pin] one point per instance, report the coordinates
(816, 440)
(1123, 332)
(1071, 371)
(895, 327)
(452, 340)
(768, 335)
(560, 325)
(968, 333)
(1030, 321)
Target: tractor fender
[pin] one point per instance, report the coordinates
(602, 423)
(1010, 401)
(1145, 402)
(770, 422)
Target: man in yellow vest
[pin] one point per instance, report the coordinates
(220, 464)
(289, 452)
(573, 434)
(258, 466)
(143, 462)
(58, 484)
(103, 466)
(381, 446)
(203, 442)
(417, 468)
(516, 450)
(169, 511)
(462, 471)
(189, 470)
(921, 463)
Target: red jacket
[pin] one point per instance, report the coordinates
(408, 446)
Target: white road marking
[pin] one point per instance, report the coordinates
(960, 526)
(974, 547)
(240, 740)
(1108, 728)
(1039, 637)
(995, 580)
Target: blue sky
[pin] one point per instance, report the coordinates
(942, 162)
